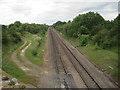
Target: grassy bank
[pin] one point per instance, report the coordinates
(107, 60)
(19, 51)
(35, 52)
(10, 67)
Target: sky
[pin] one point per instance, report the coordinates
(50, 11)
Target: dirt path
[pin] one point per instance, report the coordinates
(45, 74)
(24, 63)
(63, 67)
(35, 69)
(17, 61)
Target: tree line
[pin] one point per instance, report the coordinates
(92, 28)
(14, 32)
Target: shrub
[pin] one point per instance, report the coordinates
(83, 30)
(39, 42)
(34, 52)
(96, 47)
(84, 39)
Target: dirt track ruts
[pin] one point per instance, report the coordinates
(23, 62)
(64, 66)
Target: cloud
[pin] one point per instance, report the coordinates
(109, 10)
(21, 9)
(50, 11)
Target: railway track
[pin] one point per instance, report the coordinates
(65, 79)
(91, 79)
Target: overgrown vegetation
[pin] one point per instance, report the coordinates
(35, 52)
(91, 25)
(10, 67)
(14, 32)
(12, 38)
(95, 37)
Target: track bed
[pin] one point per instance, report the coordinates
(74, 70)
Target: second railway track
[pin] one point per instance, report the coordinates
(66, 81)
(65, 76)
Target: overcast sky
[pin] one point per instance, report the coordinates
(50, 11)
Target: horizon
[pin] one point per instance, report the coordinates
(59, 20)
(51, 11)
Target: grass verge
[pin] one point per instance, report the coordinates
(35, 52)
(107, 60)
(19, 51)
(10, 67)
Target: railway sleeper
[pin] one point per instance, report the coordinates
(67, 81)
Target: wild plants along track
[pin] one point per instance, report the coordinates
(65, 55)
(64, 66)
(23, 62)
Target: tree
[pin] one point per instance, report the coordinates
(84, 39)
(15, 31)
(83, 30)
(17, 23)
(102, 32)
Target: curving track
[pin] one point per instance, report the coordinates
(74, 70)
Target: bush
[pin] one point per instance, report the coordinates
(34, 52)
(17, 37)
(96, 47)
(83, 30)
(84, 39)
(39, 42)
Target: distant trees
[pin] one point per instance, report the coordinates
(91, 26)
(14, 32)
(59, 23)
(5, 36)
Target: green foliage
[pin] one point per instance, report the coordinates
(84, 39)
(34, 52)
(34, 48)
(83, 30)
(103, 58)
(102, 32)
(10, 67)
(17, 23)
(35, 28)
(59, 23)
(96, 47)
(96, 29)
(16, 37)
(12, 36)
(89, 19)
(39, 42)
(14, 32)
(9, 35)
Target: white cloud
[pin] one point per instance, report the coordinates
(50, 11)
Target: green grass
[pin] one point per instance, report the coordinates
(19, 51)
(102, 58)
(10, 67)
(36, 59)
